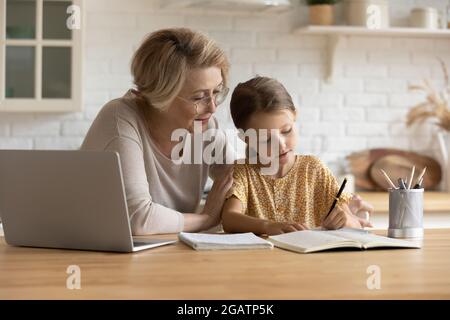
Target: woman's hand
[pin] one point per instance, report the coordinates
(359, 207)
(342, 216)
(274, 228)
(216, 197)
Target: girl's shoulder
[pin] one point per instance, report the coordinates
(311, 163)
(309, 159)
(242, 167)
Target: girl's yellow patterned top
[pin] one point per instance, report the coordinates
(304, 195)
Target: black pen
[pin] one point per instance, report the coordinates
(337, 197)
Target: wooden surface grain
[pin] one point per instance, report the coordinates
(178, 272)
(433, 201)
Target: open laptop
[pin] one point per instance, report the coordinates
(66, 199)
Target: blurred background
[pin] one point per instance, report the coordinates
(351, 85)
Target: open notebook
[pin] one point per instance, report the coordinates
(203, 241)
(314, 240)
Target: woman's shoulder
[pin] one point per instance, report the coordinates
(117, 118)
(123, 107)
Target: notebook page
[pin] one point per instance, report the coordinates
(308, 239)
(203, 240)
(373, 239)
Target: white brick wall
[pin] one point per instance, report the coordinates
(4, 129)
(32, 128)
(364, 107)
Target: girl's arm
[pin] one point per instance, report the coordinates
(234, 221)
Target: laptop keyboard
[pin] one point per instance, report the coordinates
(140, 243)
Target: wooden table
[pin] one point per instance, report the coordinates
(436, 209)
(433, 201)
(178, 272)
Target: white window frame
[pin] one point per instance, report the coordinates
(39, 104)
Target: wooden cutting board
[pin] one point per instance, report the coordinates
(360, 164)
(401, 167)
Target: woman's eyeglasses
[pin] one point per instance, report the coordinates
(203, 104)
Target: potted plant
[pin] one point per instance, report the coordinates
(437, 108)
(321, 12)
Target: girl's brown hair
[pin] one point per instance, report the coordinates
(160, 64)
(260, 94)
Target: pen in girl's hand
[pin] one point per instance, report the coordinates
(337, 197)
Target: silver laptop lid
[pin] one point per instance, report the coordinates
(64, 199)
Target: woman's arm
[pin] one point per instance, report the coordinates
(194, 222)
(360, 207)
(222, 147)
(211, 214)
(154, 218)
(148, 217)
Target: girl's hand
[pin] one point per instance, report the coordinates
(216, 197)
(274, 228)
(341, 217)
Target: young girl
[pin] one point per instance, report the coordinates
(300, 193)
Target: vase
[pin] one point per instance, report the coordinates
(321, 14)
(444, 148)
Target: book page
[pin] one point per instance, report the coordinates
(372, 240)
(308, 240)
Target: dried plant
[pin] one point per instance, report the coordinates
(436, 106)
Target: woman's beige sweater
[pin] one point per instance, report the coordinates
(157, 190)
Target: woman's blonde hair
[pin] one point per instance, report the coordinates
(160, 64)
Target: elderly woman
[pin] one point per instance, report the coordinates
(180, 78)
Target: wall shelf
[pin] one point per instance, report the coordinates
(335, 35)
(391, 32)
(230, 5)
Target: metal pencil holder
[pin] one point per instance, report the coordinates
(405, 213)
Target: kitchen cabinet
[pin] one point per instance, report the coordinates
(40, 55)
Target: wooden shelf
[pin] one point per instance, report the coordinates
(336, 33)
(437, 202)
(390, 32)
(228, 6)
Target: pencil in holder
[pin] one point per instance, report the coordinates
(405, 213)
